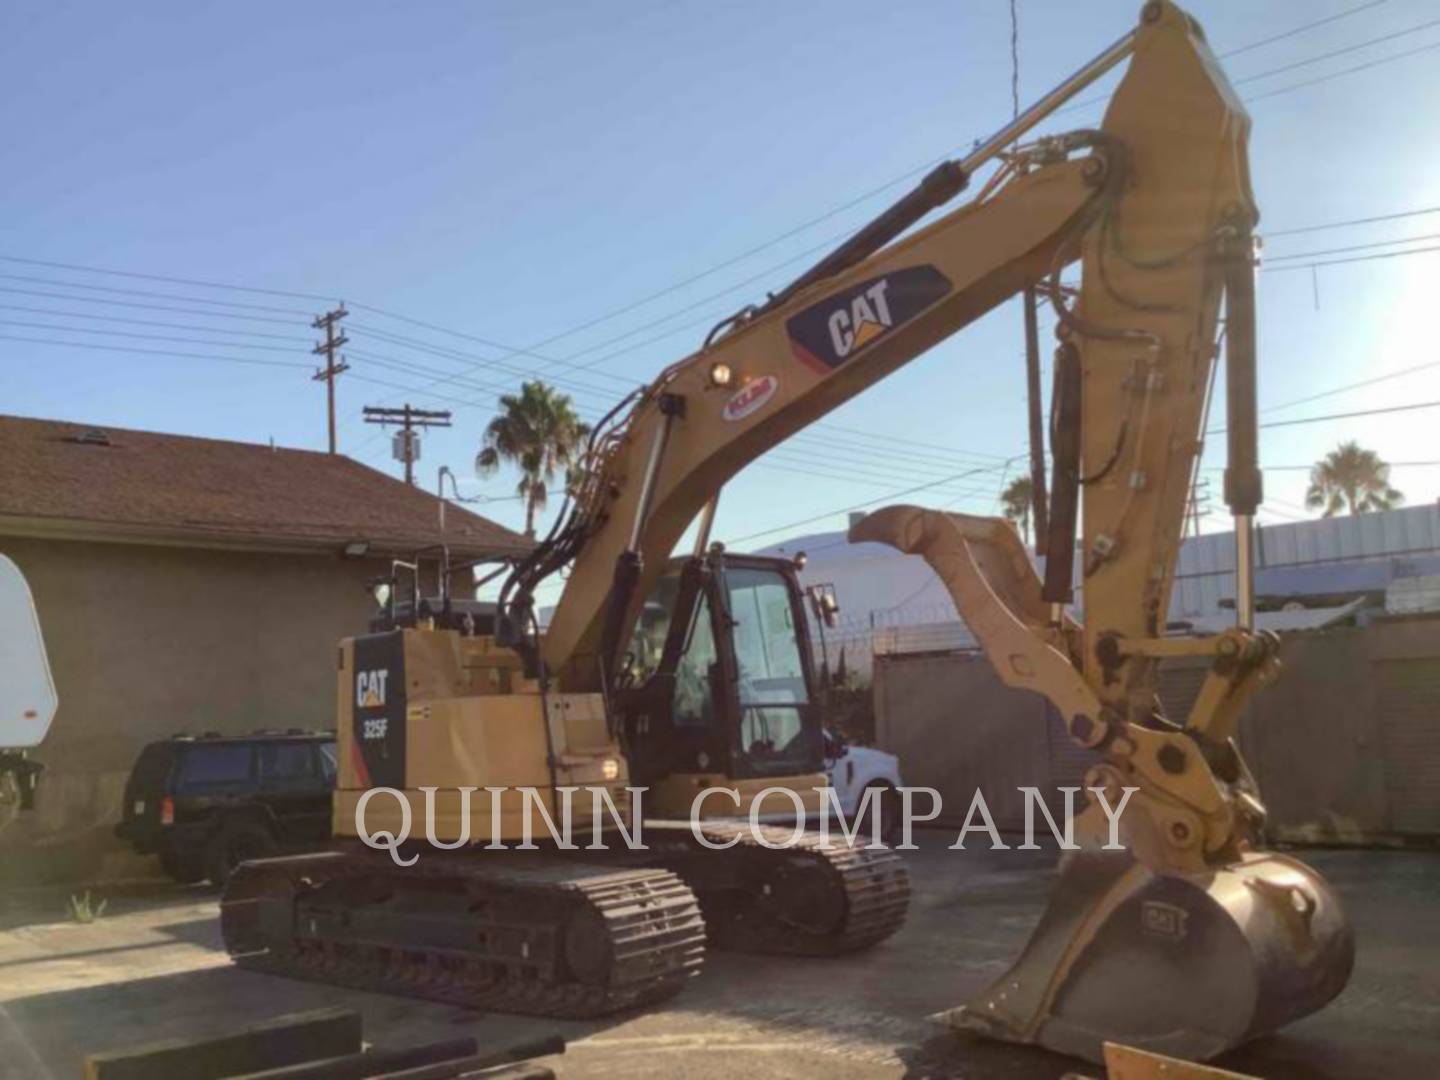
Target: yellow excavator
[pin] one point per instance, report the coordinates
(1189, 941)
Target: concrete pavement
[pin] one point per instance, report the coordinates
(152, 967)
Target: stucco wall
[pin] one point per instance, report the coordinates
(147, 641)
(1345, 745)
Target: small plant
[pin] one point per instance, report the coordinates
(84, 910)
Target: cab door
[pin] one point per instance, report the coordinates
(672, 700)
(774, 717)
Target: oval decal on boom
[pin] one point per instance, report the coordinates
(750, 398)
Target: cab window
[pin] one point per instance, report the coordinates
(694, 703)
(772, 690)
(647, 644)
(767, 647)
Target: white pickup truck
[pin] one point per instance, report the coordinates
(853, 769)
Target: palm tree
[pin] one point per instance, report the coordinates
(1018, 499)
(539, 432)
(1353, 478)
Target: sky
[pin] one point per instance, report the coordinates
(487, 184)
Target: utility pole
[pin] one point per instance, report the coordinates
(332, 342)
(407, 441)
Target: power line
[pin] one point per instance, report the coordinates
(151, 322)
(1339, 52)
(784, 452)
(1307, 468)
(569, 361)
(877, 454)
(155, 352)
(850, 448)
(474, 360)
(835, 211)
(908, 442)
(931, 164)
(867, 480)
(1353, 386)
(419, 369)
(1356, 247)
(1268, 234)
(835, 448)
(1352, 259)
(669, 289)
(1301, 29)
(1341, 416)
(1253, 45)
(169, 280)
(143, 337)
(152, 295)
(1337, 74)
(152, 307)
(870, 502)
(802, 227)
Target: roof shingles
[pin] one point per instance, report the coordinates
(180, 488)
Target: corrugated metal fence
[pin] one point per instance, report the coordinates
(1345, 746)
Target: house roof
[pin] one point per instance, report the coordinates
(73, 481)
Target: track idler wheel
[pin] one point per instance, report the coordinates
(1185, 965)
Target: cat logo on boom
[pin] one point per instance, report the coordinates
(867, 317)
(834, 330)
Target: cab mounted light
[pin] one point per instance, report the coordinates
(720, 374)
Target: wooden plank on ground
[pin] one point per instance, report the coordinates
(285, 1040)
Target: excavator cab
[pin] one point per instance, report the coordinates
(719, 680)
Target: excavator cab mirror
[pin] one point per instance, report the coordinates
(825, 604)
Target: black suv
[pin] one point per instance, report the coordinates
(207, 803)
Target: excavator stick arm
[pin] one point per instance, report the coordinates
(1180, 937)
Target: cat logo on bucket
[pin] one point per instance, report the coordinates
(1163, 920)
(750, 398)
(370, 688)
(830, 332)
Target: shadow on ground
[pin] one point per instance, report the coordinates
(857, 1016)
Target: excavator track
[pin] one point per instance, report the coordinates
(537, 937)
(809, 898)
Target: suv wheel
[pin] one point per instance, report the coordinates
(236, 842)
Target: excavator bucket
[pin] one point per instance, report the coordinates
(1188, 963)
(1184, 965)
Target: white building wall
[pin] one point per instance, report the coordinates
(894, 603)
